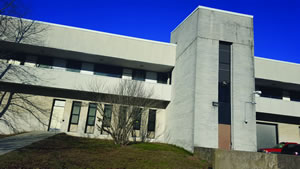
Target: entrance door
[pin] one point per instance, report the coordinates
(57, 115)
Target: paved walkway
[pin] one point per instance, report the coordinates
(12, 143)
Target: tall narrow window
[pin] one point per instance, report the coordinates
(137, 118)
(91, 117)
(107, 115)
(151, 120)
(224, 83)
(75, 114)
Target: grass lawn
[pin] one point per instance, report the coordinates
(63, 151)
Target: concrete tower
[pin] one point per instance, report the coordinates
(212, 102)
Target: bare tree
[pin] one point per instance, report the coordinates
(13, 28)
(123, 114)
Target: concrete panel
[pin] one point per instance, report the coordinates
(277, 70)
(180, 112)
(105, 44)
(288, 133)
(243, 107)
(222, 159)
(277, 106)
(226, 27)
(206, 92)
(22, 120)
(185, 34)
(74, 81)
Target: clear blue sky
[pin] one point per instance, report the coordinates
(276, 22)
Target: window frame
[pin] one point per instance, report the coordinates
(70, 120)
(88, 115)
(149, 127)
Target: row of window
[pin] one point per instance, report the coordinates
(90, 68)
(278, 93)
(106, 122)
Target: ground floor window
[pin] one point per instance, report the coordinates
(267, 135)
(75, 114)
(151, 120)
(107, 115)
(91, 118)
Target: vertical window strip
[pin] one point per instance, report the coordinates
(151, 120)
(75, 114)
(107, 115)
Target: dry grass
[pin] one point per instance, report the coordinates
(63, 151)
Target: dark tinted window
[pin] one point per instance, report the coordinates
(270, 92)
(162, 78)
(151, 120)
(73, 66)
(295, 96)
(138, 75)
(137, 118)
(45, 62)
(224, 98)
(107, 70)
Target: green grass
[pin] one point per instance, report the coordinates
(63, 151)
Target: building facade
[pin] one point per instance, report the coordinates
(209, 88)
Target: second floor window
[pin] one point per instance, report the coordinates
(138, 75)
(73, 66)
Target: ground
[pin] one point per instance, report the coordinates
(63, 151)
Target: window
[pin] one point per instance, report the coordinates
(44, 62)
(73, 66)
(270, 92)
(151, 120)
(122, 116)
(107, 115)
(162, 78)
(137, 118)
(138, 75)
(75, 114)
(294, 95)
(107, 70)
(224, 96)
(91, 117)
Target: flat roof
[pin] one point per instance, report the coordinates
(213, 9)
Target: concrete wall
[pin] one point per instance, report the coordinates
(195, 79)
(277, 70)
(73, 81)
(180, 111)
(21, 120)
(278, 106)
(30, 114)
(222, 159)
(104, 44)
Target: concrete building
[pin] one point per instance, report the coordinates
(206, 81)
